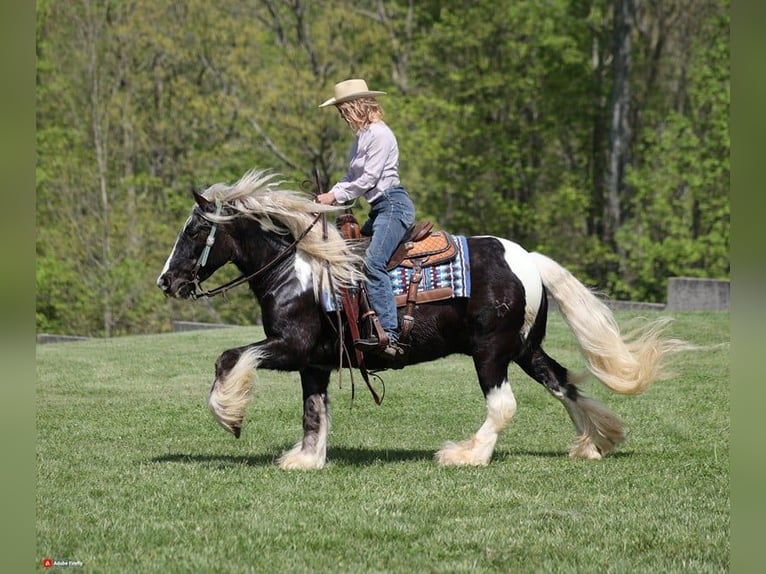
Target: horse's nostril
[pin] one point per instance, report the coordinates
(163, 282)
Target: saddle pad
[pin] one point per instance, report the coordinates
(454, 275)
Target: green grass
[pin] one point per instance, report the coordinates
(133, 474)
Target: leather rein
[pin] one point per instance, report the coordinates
(222, 289)
(281, 256)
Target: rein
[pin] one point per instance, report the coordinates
(281, 256)
(346, 303)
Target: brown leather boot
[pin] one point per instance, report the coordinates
(375, 345)
(372, 343)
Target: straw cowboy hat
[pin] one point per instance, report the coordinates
(350, 90)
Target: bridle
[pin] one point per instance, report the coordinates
(197, 291)
(281, 256)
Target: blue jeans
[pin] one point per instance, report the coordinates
(390, 218)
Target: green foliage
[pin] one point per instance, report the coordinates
(679, 223)
(669, 236)
(500, 108)
(501, 123)
(60, 297)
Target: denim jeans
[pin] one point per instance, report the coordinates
(390, 218)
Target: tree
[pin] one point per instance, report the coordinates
(679, 222)
(619, 124)
(595, 131)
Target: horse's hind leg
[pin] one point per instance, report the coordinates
(599, 430)
(501, 406)
(311, 451)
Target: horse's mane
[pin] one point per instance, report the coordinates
(259, 195)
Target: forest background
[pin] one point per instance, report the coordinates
(596, 131)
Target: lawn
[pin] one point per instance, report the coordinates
(133, 474)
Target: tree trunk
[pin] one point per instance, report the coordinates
(619, 126)
(93, 24)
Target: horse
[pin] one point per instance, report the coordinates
(271, 234)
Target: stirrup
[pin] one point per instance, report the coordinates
(371, 343)
(374, 345)
(392, 350)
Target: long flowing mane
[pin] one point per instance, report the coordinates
(260, 195)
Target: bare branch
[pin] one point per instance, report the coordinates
(271, 145)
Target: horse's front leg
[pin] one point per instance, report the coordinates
(236, 371)
(311, 451)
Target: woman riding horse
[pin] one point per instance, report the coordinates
(270, 234)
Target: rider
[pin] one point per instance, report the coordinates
(374, 173)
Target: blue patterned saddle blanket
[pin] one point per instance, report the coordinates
(442, 281)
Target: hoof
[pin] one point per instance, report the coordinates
(586, 450)
(460, 454)
(233, 428)
(300, 461)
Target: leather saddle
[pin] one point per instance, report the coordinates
(419, 244)
(420, 247)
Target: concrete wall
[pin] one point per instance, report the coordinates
(616, 305)
(43, 338)
(693, 294)
(179, 326)
(684, 294)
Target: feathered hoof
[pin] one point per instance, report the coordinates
(234, 428)
(585, 449)
(300, 460)
(461, 453)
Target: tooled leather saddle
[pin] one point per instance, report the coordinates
(421, 247)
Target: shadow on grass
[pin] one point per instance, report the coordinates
(217, 460)
(338, 455)
(562, 454)
(351, 456)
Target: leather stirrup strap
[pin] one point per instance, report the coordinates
(352, 315)
(408, 319)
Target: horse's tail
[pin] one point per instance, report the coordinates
(627, 364)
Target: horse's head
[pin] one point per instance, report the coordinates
(200, 249)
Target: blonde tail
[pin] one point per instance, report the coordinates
(627, 364)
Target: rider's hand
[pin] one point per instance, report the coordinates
(326, 198)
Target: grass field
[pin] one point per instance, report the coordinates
(133, 474)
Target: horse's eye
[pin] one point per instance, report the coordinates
(195, 232)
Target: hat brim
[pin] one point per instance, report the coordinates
(354, 96)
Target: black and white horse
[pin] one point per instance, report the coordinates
(271, 235)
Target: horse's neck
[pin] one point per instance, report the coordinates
(266, 253)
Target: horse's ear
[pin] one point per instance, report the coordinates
(200, 199)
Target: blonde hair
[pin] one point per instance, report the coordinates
(361, 112)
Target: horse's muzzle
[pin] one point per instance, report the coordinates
(176, 286)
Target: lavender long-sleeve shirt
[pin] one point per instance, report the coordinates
(373, 165)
